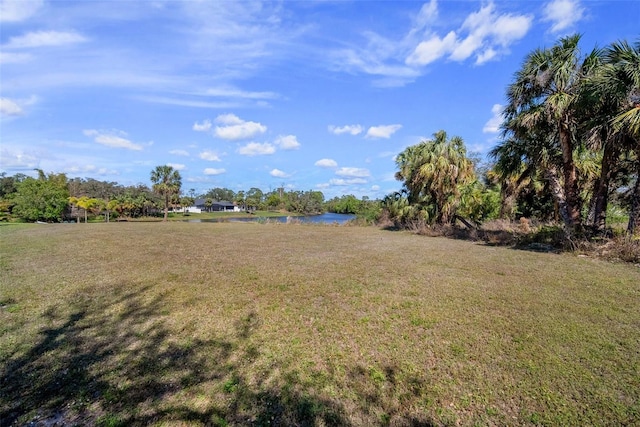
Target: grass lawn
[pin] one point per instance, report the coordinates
(179, 324)
(178, 216)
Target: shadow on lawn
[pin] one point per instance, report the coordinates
(116, 363)
(547, 239)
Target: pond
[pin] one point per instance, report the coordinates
(325, 218)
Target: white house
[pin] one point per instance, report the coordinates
(200, 205)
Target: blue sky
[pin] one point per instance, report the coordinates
(310, 95)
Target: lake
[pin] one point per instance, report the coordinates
(325, 218)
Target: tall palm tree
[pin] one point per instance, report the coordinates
(434, 173)
(624, 69)
(613, 106)
(531, 154)
(166, 182)
(546, 93)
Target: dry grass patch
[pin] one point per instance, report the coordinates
(243, 324)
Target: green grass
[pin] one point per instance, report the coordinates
(223, 215)
(273, 324)
(179, 216)
(218, 215)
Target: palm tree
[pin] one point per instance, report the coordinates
(612, 118)
(434, 173)
(613, 125)
(530, 154)
(396, 205)
(623, 70)
(166, 182)
(85, 203)
(112, 206)
(186, 202)
(546, 93)
(510, 183)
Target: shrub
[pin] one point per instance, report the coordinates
(620, 248)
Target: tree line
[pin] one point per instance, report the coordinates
(569, 149)
(54, 198)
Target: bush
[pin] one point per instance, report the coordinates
(620, 249)
(43, 199)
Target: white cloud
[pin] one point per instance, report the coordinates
(257, 149)
(184, 153)
(212, 171)
(9, 107)
(351, 181)
(562, 14)
(353, 172)
(92, 169)
(232, 92)
(15, 107)
(278, 173)
(432, 49)
(177, 166)
(372, 61)
(111, 140)
(465, 48)
(235, 128)
(508, 28)
(44, 38)
(18, 160)
(486, 34)
(18, 10)
(242, 131)
(383, 57)
(428, 13)
(288, 142)
(179, 102)
(229, 119)
(493, 125)
(384, 131)
(205, 126)
(486, 56)
(489, 33)
(350, 129)
(375, 187)
(326, 163)
(209, 155)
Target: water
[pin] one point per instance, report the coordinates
(325, 218)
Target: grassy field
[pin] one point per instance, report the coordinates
(272, 324)
(227, 215)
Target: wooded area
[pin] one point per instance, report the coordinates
(570, 149)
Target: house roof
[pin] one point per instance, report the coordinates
(202, 202)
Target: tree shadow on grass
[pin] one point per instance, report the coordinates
(114, 361)
(118, 360)
(548, 239)
(381, 393)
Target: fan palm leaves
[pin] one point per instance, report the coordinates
(434, 172)
(623, 71)
(612, 111)
(166, 182)
(621, 76)
(546, 94)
